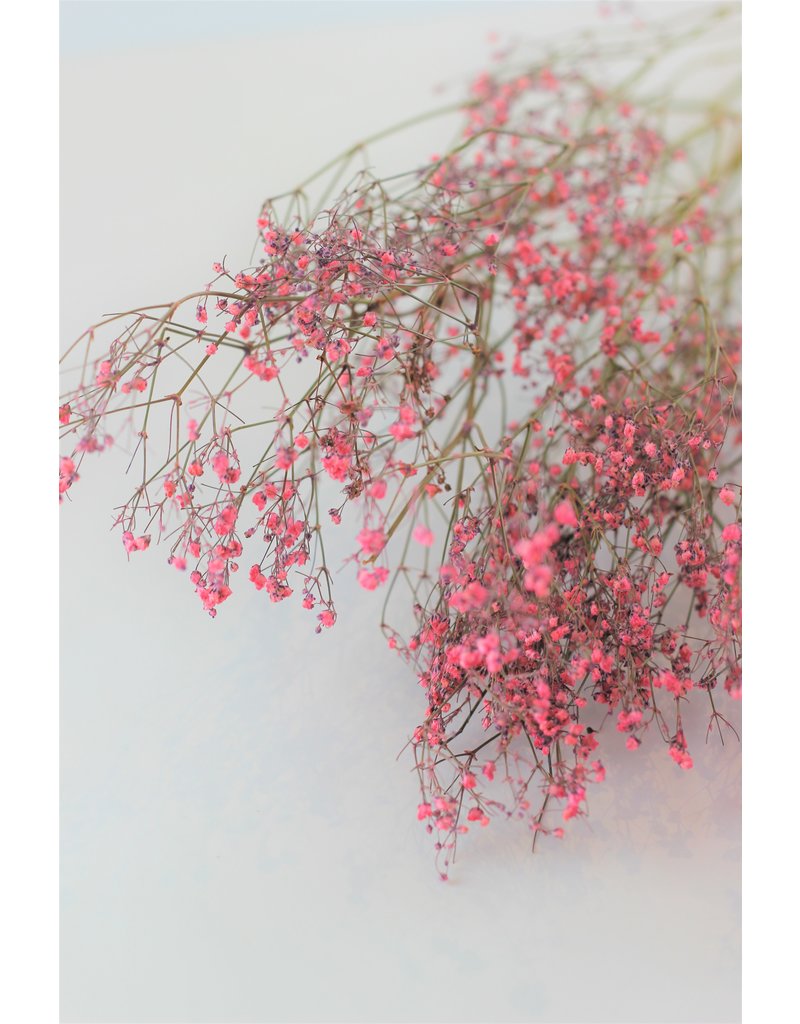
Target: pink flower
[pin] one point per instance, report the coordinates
(226, 520)
(565, 514)
(336, 466)
(422, 535)
(628, 719)
(726, 496)
(472, 596)
(225, 471)
(371, 541)
(284, 458)
(669, 681)
(681, 757)
(66, 476)
(371, 579)
(132, 543)
(401, 431)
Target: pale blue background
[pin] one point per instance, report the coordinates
(89, 26)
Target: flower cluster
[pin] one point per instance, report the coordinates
(525, 351)
(556, 612)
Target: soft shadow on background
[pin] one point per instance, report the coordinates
(239, 841)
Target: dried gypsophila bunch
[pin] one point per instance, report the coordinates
(525, 352)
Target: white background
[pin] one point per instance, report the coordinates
(238, 841)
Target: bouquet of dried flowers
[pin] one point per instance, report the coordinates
(512, 374)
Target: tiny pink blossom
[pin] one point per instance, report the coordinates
(726, 496)
(565, 514)
(732, 532)
(422, 535)
(371, 579)
(371, 541)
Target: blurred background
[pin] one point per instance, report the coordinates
(239, 839)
